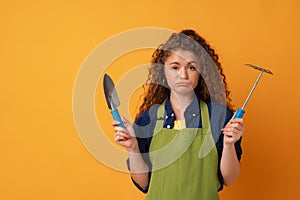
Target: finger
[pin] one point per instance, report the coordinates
(115, 123)
(231, 132)
(122, 136)
(236, 120)
(239, 121)
(129, 126)
(125, 135)
(120, 129)
(238, 127)
(119, 138)
(235, 127)
(126, 123)
(228, 129)
(124, 119)
(237, 124)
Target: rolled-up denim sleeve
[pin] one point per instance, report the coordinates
(219, 145)
(144, 127)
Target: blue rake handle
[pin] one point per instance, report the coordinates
(239, 113)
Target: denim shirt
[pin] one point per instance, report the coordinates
(219, 117)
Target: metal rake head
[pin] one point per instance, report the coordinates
(259, 68)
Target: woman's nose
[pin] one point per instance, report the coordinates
(183, 73)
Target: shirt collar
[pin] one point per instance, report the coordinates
(192, 111)
(192, 108)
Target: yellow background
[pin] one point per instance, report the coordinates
(43, 44)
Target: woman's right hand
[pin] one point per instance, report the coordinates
(125, 136)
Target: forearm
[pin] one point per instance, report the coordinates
(138, 168)
(126, 138)
(230, 166)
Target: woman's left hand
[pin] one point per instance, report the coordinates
(233, 131)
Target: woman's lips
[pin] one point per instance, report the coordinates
(183, 83)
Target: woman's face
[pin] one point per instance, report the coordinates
(182, 71)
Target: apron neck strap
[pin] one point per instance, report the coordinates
(204, 115)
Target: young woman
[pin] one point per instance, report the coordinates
(184, 143)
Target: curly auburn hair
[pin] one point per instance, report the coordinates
(212, 84)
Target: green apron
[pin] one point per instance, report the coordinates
(184, 162)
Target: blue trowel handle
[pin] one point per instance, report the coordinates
(117, 117)
(239, 113)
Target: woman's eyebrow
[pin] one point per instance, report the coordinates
(175, 62)
(190, 62)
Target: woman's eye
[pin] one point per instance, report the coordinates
(174, 67)
(192, 68)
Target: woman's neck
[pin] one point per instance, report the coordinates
(180, 103)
